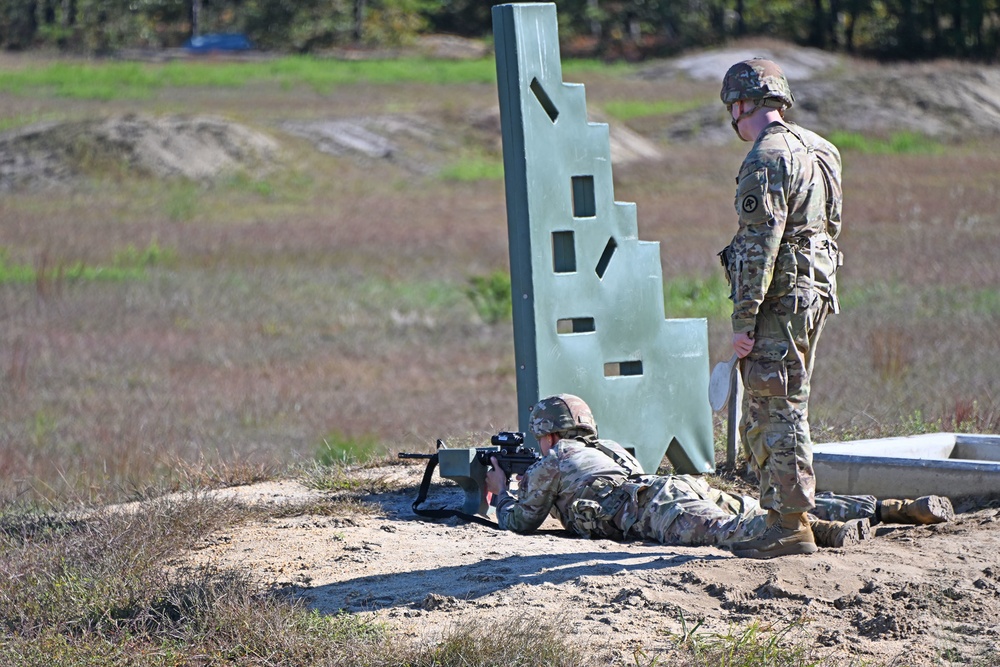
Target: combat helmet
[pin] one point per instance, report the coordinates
(759, 80)
(563, 412)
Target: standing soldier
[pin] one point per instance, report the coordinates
(781, 267)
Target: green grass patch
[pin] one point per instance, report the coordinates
(338, 449)
(900, 143)
(473, 169)
(13, 122)
(123, 81)
(682, 297)
(131, 80)
(696, 297)
(241, 182)
(181, 202)
(490, 295)
(924, 301)
(860, 295)
(578, 66)
(239, 195)
(755, 644)
(409, 294)
(15, 273)
(127, 264)
(628, 109)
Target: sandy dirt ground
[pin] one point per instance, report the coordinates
(912, 595)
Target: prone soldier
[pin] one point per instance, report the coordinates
(596, 489)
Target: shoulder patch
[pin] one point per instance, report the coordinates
(752, 201)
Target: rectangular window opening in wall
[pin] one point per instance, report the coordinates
(584, 204)
(563, 252)
(622, 368)
(602, 263)
(572, 325)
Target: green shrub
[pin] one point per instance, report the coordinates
(490, 295)
(696, 297)
(338, 448)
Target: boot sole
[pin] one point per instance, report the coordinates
(931, 509)
(854, 532)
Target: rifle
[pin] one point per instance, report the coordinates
(467, 468)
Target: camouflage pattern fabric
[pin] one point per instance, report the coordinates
(783, 245)
(782, 265)
(563, 412)
(756, 79)
(685, 510)
(831, 507)
(567, 475)
(776, 374)
(671, 509)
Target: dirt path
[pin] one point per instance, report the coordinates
(912, 595)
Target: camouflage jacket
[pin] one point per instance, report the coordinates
(786, 237)
(572, 472)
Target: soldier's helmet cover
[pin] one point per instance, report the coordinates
(756, 79)
(561, 413)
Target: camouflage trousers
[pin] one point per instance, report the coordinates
(684, 510)
(776, 376)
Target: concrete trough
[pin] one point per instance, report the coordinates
(946, 464)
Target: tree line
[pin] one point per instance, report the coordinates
(613, 29)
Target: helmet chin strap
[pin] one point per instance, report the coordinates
(757, 104)
(736, 121)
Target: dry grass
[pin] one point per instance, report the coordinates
(329, 297)
(101, 589)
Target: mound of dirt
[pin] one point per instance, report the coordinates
(798, 63)
(424, 145)
(949, 101)
(198, 147)
(911, 593)
(410, 140)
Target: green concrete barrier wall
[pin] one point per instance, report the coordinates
(587, 293)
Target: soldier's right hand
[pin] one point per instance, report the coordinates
(496, 480)
(742, 344)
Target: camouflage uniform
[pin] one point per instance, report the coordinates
(596, 496)
(782, 270)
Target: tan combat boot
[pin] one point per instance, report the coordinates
(788, 536)
(840, 533)
(928, 509)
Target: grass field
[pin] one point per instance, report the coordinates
(151, 327)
